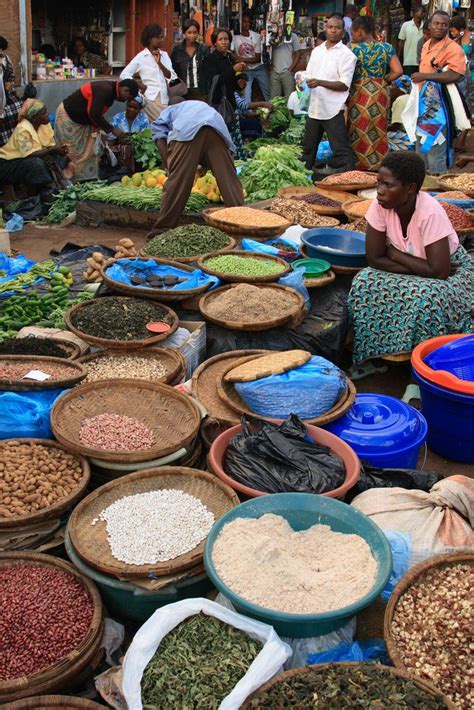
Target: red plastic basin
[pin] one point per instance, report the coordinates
(442, 378)
(351, 461)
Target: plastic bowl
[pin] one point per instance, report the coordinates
(340, 247)
(441, 378)
(312, 267)
(302, 510)
(338, 446)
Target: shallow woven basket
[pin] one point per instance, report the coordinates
(170, 415)
(55, 510)
(90, 541)
(156, 294)
(337, 195)
(119, 344)
(173, 360)
(350, 213)
(63, 673)
(295, 192)
(64, 702)
(73, 350)
(77, 373)
(445, 184)
(412, 576)
(235, 278)
(260, 325)
(350, 186)
(428, 687)
(255, 233)
(191, 259)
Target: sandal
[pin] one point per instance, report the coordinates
(358, 372)
(412, 396)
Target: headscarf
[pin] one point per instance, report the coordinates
(31, 108)
(403, 83)
(140, 100)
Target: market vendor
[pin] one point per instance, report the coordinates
(81, 116)
(419, 281)
(83, 58)
(190, 134)
(31, 156)
(132, 120)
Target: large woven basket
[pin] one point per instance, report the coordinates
(428, 687)
(73, 350)
(55, 510)
(62, 702)
(444, 182)
(411, 577)
(191, 259)
(90, 541)
(170, 415)
(119, 344)
(63, 673)
(255, 232)
(371, 181)
(350, 210)
(172, 360)
(258, 326)
(77, 372)
(233, 278)
(337, 195)
(293, 193)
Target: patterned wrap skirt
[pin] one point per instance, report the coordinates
(11, 111)
(80, 141)
(368, 107)
(391, 313)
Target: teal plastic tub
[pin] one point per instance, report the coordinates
(302, 510)
(127, 601)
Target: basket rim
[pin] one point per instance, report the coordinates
(349, 186)
(130, 456)
(292, 192)
(120, 344)
(155, 353)
(20, 385)
(243, 230)
(75, 350)
(235, 278)
(64, 702)
(191, 259)
(123, 569)
(61, 505)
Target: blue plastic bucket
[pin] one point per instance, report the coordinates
(450, 417)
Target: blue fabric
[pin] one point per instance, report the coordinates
(123, 271)
(295, 280)
(357, 651)
(14, 265)
(120, 121)
(433, 118)
(183, 121)
(400, 544)
(27, 414)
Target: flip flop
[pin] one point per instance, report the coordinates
(358, 372)
(412, 392)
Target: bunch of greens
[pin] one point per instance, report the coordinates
(279, 119)
(145, 151)
(272, 168)
(252, 146)
(65, 202)
(143, 198)
(294, 133)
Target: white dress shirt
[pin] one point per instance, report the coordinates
(146, 65)
(334, 64)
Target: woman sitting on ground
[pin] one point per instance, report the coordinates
(31, 157)
(419, 281)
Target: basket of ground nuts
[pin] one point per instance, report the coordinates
(428, 624)
(153, 364)
(356, 209)
(31, 372)
(301, 213)
(457, 181)
(246, 222)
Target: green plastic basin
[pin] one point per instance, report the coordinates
(313, 268)
(302, 510)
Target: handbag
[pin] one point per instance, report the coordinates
(223, 107)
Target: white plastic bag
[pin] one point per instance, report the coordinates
(143, 647)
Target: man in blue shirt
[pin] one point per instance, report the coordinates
(190, 134)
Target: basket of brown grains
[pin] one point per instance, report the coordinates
(33, 372)
(302, 212)
(428, 624)
(246, 222)
(321, 204)
(153, 364)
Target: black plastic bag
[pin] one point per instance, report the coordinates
(408, 478)
(30, 209)
(279, 458)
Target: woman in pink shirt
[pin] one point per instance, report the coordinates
(419, 283)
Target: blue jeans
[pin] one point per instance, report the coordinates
(260, 75)
(436, 159)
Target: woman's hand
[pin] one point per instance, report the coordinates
(240, 66)
(143, 87)
(60, 149)
(118, 133)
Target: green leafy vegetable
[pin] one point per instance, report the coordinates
(272, 168)
(145, 151)
(65, 202)
(294, 133)
(279, 119)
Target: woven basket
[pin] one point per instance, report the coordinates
(64, 672)
(73, 350)
(371, 181)
(156, 294)
(191, 259)
(55, 510)
(170, 415)
(171, 359)
(295, 192)
(90, 541)
(119, 344)
(261, 325)
(233, 278)
(256, 233)
(337, 195)
(350, 213)
(445, 184)
(403, 585)
(206, 378)
(77, 373)
(64, 702)
(324, 280)
(428, 687)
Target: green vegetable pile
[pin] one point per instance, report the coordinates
(142, 198)
(236, 265)
(279, 119)
(273, 167)
(197, 665)
(42, 269)
(186, 241)
(294, 133)
(66, 201)
(145, 151)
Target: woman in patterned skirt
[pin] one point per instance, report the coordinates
(369, 103)
(419, 283)
(10, 104)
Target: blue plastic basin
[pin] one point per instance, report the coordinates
(340, 247)
(302, 510)
(450, 417)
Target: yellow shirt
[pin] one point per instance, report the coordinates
(26, 140)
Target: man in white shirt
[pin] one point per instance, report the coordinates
(329, 76)
(410, 34)
(155, 71)
(247, 47)
(349, 15)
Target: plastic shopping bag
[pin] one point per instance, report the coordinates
(145, 642)
(27, 414)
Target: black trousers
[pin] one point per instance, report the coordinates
(336, 131)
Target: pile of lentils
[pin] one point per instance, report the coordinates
(45, 613)
(33, 346)
(116, 432)
(15, 371)
(187, 241)
(315, 198)
(34, 476)
(118, 318)
(110, 367)
(197, 664)
(155, 526)
(235, 265)
(432, 628)
(459, 218)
